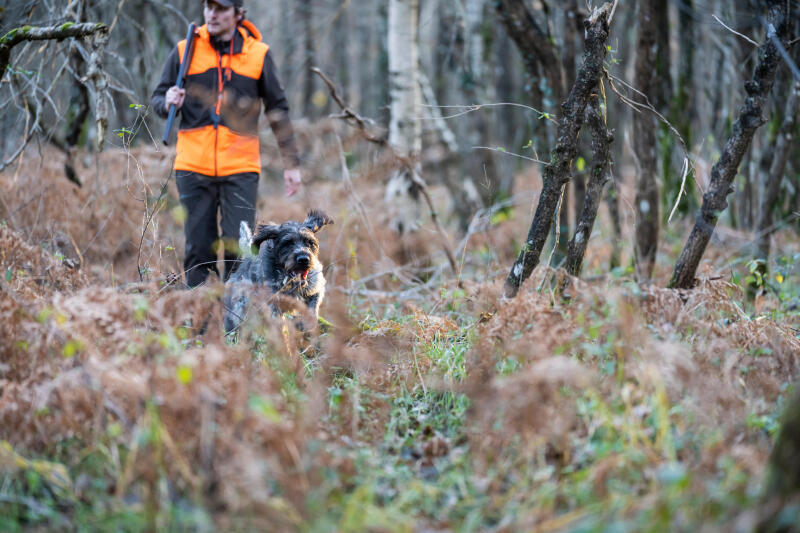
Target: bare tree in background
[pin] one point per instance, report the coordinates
(681, 110)
(644, 141)
(405, 129)
(599, 176)
(751, 117)
(782, 487)
(545, 72)
(479, 164)
(557, 174)
(36, 92)
(771, 181)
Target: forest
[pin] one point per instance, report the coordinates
(560, 255)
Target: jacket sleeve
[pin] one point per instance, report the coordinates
(168, 78)
(277, 109)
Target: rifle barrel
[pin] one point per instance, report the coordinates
(187, 58)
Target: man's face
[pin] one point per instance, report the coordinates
(220, 20)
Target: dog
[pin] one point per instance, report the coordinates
(287, 265)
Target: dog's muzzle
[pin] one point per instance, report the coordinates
(302, 266)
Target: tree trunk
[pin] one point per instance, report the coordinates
(534, 44)
(309, 59)
(601, 161)
(783, 476)
(683, 107)
(477, 182)
(724, 171)
(772, 182)
(557, 173)
(405, 129)
(612, 202)
(644, 143)
(573, 31)
(662, 84)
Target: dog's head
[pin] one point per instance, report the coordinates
(295, 244)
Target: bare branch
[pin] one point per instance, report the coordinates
(28, 33)
(510, 153)
(347, 113)
(403, 161)
(745, 37)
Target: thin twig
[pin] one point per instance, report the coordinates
(477, 107)
(638, 106)
(403, 161)
(359, 204)
(613, 10)
(684, 174)
(348, 113)
(784, 54)
(149, 218)
(510, 153)
(745, 37)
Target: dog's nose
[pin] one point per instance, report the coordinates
(303, 260)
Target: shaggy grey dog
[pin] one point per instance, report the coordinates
(287, 264)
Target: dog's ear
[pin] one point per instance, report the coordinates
(265, 232)
(316, 220)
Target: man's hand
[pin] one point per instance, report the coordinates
(292, 180)
(175, 96)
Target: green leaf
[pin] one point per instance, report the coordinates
(71, 348)
(580, 164)
(264, 407)
(9, 275)
(185, 374)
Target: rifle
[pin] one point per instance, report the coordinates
(187, 58)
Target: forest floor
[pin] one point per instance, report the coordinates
(425, 404)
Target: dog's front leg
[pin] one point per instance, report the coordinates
(236, 304)
(312, 303)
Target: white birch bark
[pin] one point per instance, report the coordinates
(405, 128)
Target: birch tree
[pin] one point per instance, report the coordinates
(405, 129)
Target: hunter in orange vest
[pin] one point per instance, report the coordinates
(218, 162)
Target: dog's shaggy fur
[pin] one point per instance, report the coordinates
(287, 264)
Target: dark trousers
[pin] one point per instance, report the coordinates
(234, 197)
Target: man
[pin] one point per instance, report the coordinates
(218, 161)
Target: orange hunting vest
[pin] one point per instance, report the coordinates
(218, 134)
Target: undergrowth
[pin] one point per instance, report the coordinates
(422, 404)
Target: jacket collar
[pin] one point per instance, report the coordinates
(244, 32)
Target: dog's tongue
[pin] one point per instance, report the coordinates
(303, 273)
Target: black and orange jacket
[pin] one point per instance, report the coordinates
(226, 84)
